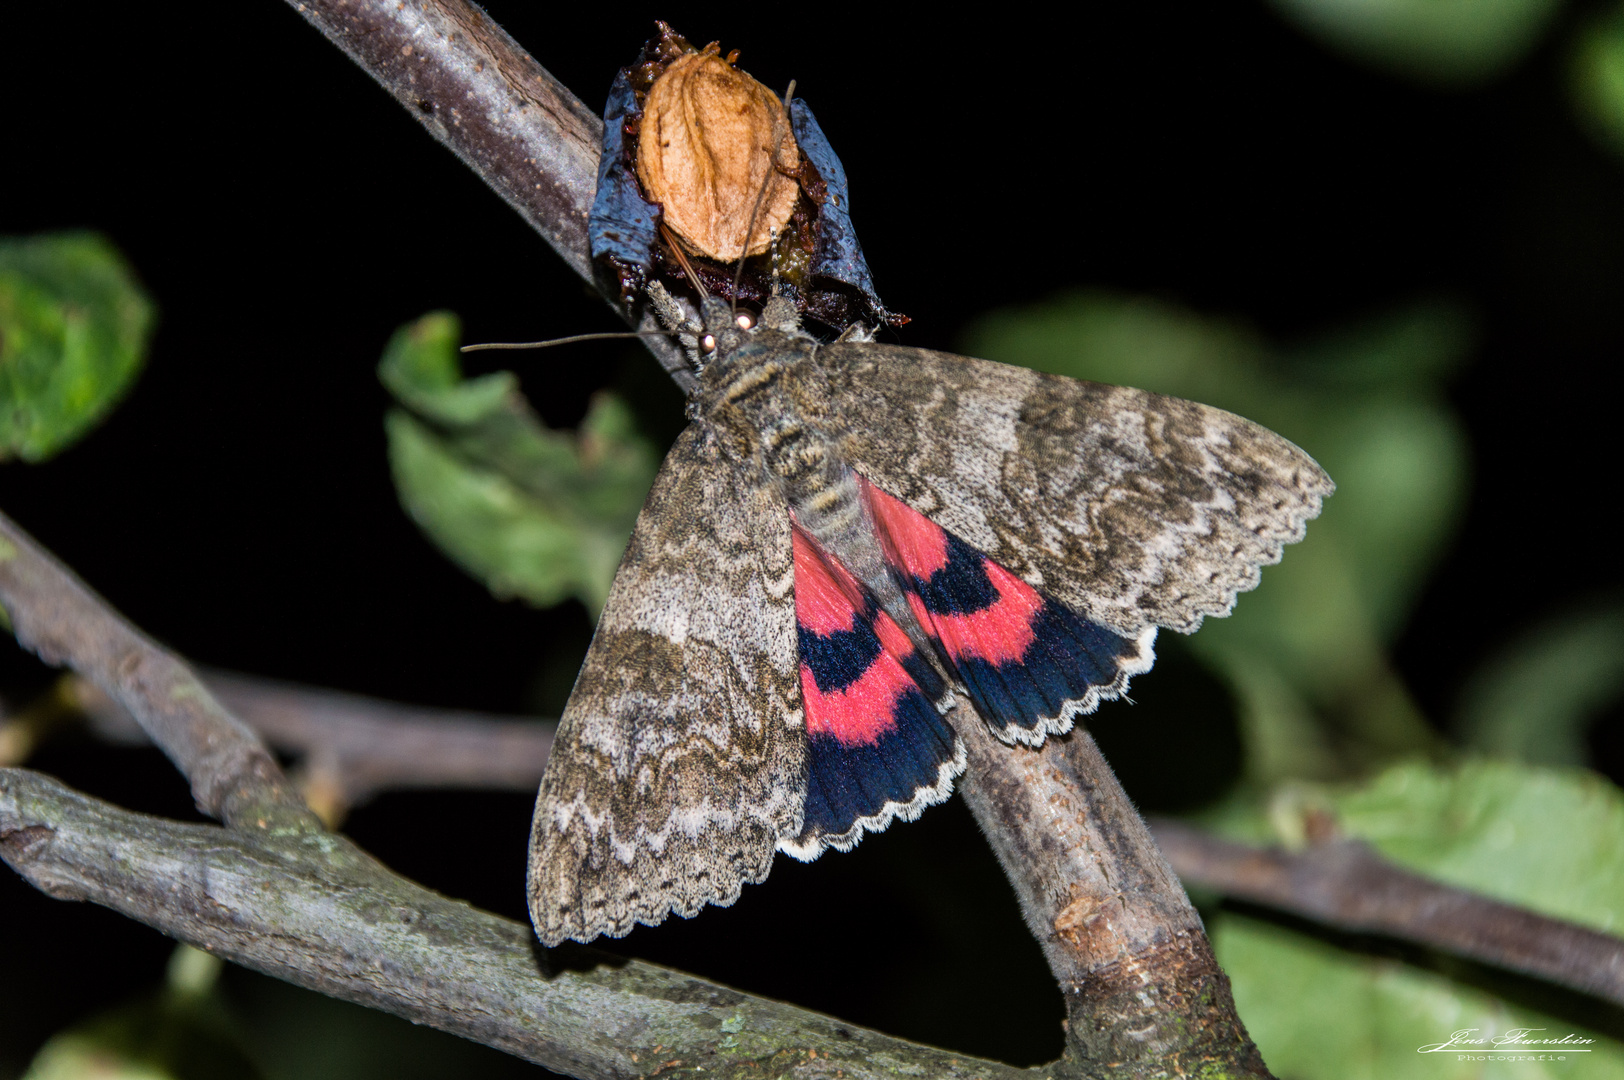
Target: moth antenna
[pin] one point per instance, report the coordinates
(761, 195)
(682, 261)
(564, 340)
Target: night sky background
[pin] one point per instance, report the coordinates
(287, 216)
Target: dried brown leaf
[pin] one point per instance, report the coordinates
(705, 151)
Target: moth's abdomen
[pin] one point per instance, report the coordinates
(768, 401)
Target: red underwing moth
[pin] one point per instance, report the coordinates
(853, 548)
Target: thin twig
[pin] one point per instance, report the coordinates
(1344, 884)
(485, 98)
(233, 777)
(313, 909)
(361, 746)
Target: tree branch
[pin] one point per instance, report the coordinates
(1344, 884)
(1341, 884)
(233, 777)
(313, 909)
(1143, 990)
(484, 97)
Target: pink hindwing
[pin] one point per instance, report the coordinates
(877, 747)
(1028, 663)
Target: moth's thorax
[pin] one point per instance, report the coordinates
(766, 399)
(768, 402)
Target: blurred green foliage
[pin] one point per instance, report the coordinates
(181, 1032)
(1306, 655)
(1535, 700)
(534, 513)
(1318, 1012)
(1451, 42)
(1484, 825)
(1544, 838)
(74, 327)
(1597, 76)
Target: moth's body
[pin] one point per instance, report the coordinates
(845, 534)
(768, 400)
(765, 398)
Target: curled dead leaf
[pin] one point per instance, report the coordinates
(705, 150)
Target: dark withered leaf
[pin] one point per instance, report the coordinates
(816, 261)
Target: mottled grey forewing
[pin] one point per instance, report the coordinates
(681, 756)
(1133, 508)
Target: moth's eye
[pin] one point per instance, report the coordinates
(707, 343)
(744, 320)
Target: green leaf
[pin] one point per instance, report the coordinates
(74, 327)
(534, 513)
(1319, 1013)
(1447, 42)
(1550, 840)
(1596, 77)
(1534, 700)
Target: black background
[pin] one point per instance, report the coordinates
(287, 216)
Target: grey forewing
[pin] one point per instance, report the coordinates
(1134, 508)
(680, 757)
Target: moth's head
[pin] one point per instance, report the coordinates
(725, 327)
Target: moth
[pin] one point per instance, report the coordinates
(851, 549)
